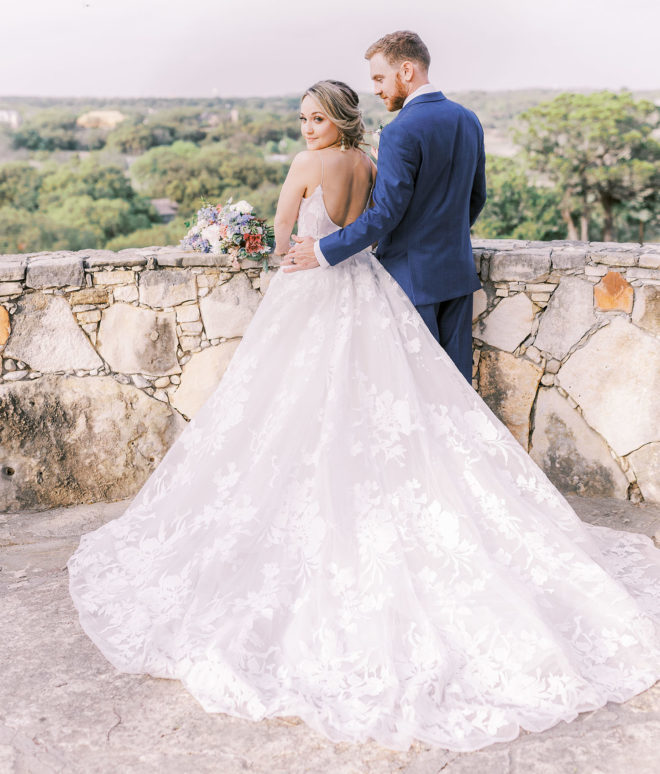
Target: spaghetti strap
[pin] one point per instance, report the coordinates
(371, 189)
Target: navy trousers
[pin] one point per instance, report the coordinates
(450, 322)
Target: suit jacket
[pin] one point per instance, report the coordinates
(430, 187)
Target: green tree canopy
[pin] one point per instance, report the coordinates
(599, 151)
(516, 209)
(185, 173)
(20, 183)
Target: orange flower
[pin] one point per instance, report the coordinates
(253, 243)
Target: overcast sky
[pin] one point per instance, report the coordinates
(105, 48)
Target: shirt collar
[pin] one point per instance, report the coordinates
(427, 88)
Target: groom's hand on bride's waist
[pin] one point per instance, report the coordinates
(301, 256)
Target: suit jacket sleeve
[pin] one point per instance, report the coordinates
(478, 196)
(398, 164)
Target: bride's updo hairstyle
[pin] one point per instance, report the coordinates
(340, 103)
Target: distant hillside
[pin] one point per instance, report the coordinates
(496, 109)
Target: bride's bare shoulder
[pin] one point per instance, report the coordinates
(305, 159)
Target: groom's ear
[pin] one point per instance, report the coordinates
(407, 70)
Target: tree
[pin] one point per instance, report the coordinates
(183, 172)
(588, 146)
(516, 209)
(49, 130)
(20, 184)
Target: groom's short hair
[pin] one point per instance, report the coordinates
(400, 46)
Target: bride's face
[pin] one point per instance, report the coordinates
(315, 126)
(388, 82)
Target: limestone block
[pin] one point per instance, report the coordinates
(264, 280)
(192, 327)
(614, 257)
(568, 258)
(649, 261)
(614, 379)
(201, 375)
(645, 462)
(134, 340)
(570, 453)
(646, 311)
(187, 313)
(499, 244)
(118, 277)
(614, 292)
(228, 309)
(568, 316)
(71, 440)
(128, 257)
(636, 273)
(56, 271)
(508, 385)
(89, 296)
(125, 293)
(166, 287)
(479, 303)
(46, 336)
(190, 343)
(94, 315)
(520, 265)
(10, 288)
(508, 324)
(5, 327)
(12, 267)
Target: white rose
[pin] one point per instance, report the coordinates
(243, 207)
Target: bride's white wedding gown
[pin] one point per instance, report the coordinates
(347, 533)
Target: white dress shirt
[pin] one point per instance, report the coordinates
(426, 88)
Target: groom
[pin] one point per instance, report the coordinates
(430, 188)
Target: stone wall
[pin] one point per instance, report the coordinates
(106, 355)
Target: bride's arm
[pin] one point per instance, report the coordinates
(288, 204)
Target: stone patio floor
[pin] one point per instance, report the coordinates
(64, 708)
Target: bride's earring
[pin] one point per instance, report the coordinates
(343, 147)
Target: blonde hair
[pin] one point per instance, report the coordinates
(401, 46)
(340, 103)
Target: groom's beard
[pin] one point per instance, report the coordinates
(395, 102)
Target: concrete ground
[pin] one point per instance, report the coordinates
(64, 708)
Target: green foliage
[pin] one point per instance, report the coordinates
(590, 169)
(105, 218)
(20, 183)
(88, 177)
(22, 231)
(161, 234)
(48, 130)
(185, 173)
(598, 150)
(516, 209)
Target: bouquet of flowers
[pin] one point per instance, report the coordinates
(231, 229)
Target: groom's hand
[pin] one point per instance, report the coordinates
(301, 256)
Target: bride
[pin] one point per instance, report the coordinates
(346, 532)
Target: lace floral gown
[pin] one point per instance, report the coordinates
(346, 532)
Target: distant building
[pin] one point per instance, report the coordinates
(166, 208)
(11, 117)
(100, 119)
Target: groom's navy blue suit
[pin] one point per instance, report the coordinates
(430, 187)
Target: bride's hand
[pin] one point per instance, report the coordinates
(301, 256)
